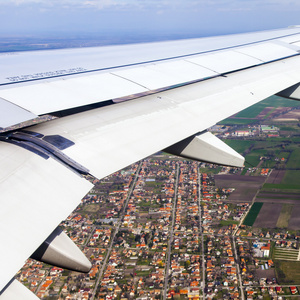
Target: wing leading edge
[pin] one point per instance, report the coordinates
(50, 81)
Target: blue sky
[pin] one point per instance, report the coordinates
(162, 17)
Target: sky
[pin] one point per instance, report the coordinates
(180, 18)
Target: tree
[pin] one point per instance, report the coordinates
(187, 264)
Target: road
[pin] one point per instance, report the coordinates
(167, 270)
(238, 269)
(89, 237)
(234, 244)
(116, 231)
(201, 233)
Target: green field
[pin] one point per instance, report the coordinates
(284, 140)
(284, 154)
(228, 222)
(143, 273)
(268, 147)
(282, 188)
(289, 128)
(285, 254)
(294, 160)
(91, 208)
(268, 114)
(211, 171)
(268, 164)
(292, 178)
(273, 101)
(244, 171)
(251, 112)
(276, 101)
(234, 121)
(253, 213)
(254, 110)
(239, 145)
(252, 160)
(287, 272)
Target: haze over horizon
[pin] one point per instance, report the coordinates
(177, 18)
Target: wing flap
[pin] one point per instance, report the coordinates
(225, 61)
(37, 194)
(50, 96)
(267, 52)
(157, 76)
(16, 290)
(11, 114)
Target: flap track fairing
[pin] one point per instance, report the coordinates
(207, 148)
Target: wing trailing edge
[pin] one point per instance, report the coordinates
(16, 290)
(37, 194)
(11, 114)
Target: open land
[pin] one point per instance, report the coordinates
(276, 176)
(291, 115)
(279, 196)
(286, 254)
(288, 272)
(285, 215)
(245, 186)
(268, 215)
(269, 274)
(294, 222)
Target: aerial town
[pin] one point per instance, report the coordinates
(171, 228)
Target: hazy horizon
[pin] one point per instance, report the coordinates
(65, 18)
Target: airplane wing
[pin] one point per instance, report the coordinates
(117, 105)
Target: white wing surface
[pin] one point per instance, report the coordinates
(117, 135)
(36, 195)
(176, 90)
(41, 82)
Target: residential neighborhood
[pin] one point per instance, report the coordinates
(162, 229)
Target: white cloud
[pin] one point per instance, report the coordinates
(95, 3)
(99, 3)
(162, 5)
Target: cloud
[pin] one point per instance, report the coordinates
(74, 3)
(155, 15)
(160, 4)
(99, 3)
